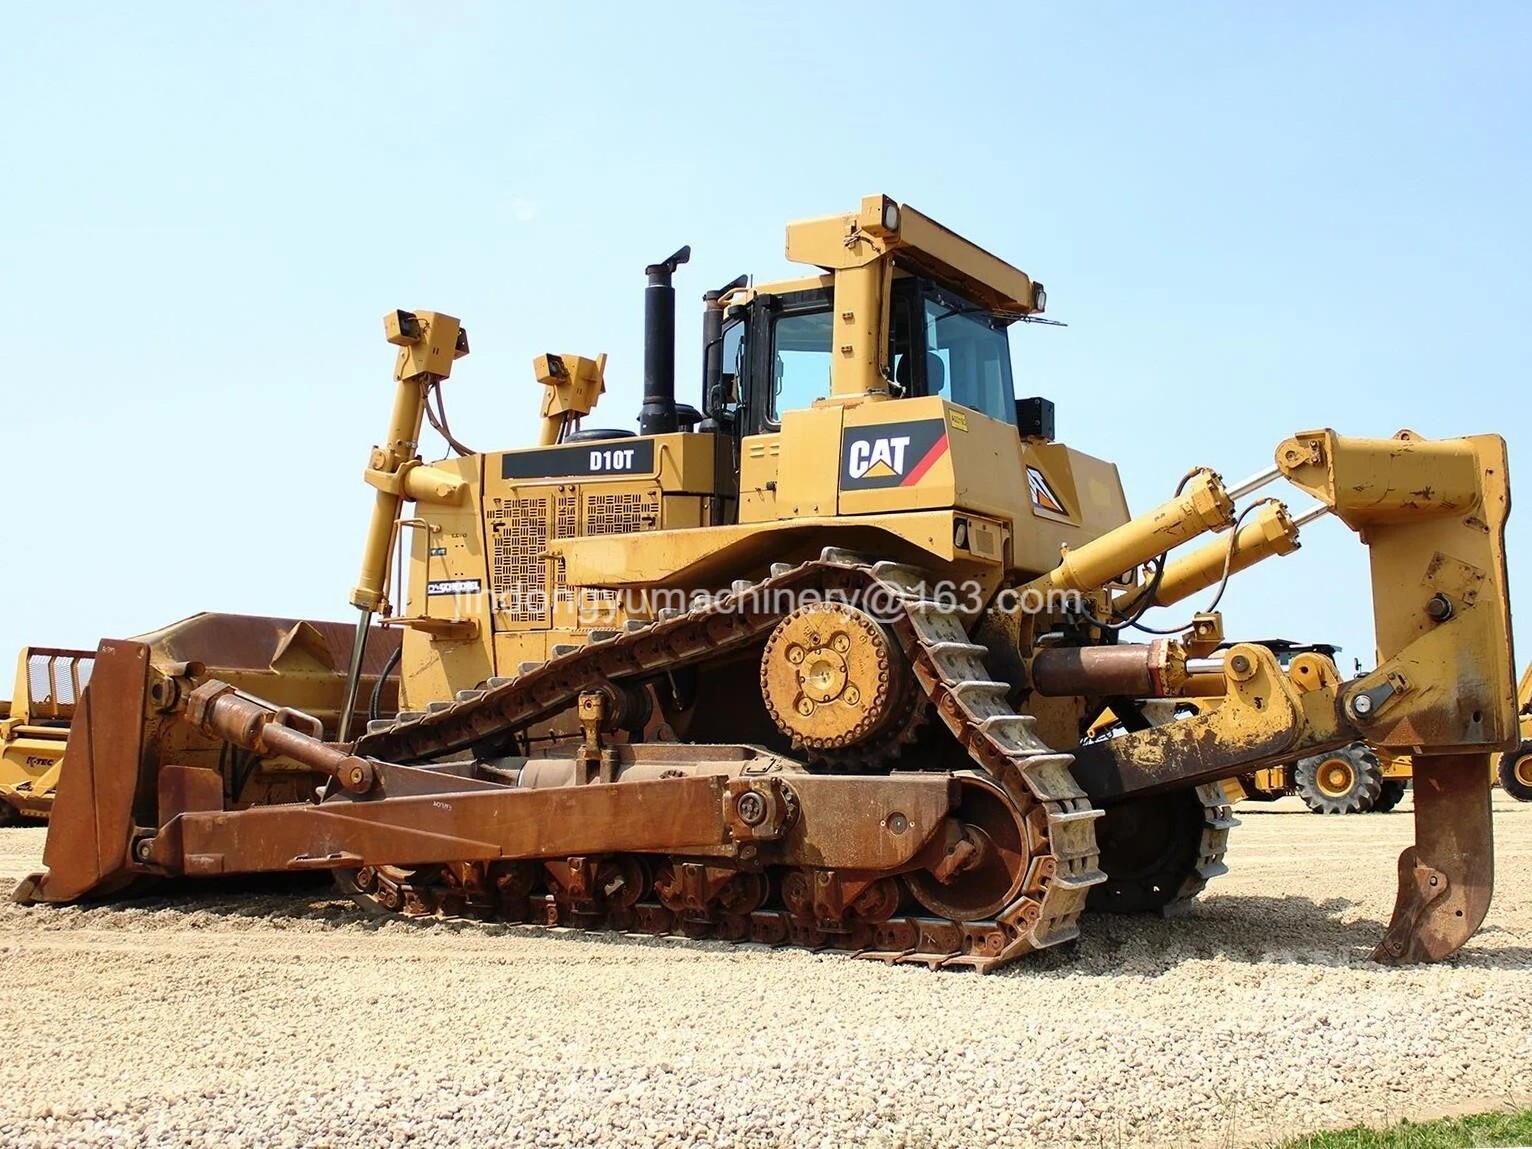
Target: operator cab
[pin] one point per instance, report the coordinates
(776, 352)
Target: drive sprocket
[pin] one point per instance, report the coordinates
(834, 679)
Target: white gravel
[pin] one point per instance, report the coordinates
(286, 1020)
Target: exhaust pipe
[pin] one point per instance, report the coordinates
(658, 414)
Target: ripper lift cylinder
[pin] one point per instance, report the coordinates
(428, 344)
(1202, 505)
(1268, 531)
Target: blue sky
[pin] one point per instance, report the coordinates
(1255, 220)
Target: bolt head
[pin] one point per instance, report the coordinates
(1362, 704)
(751, 808)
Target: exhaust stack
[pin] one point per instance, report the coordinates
(658, 414)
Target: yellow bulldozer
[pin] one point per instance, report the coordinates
(810, 663)
(34, 729)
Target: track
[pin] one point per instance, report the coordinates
(1037, 827)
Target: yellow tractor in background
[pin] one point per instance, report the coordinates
(812, 663)
(1514, 769)
(34, 728)
(1348, 780)
(1356, 780)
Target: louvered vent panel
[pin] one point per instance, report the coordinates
(621, 514)
(520, 530)
(565, 526)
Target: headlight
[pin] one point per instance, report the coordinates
(1039, 297)
(890, 215)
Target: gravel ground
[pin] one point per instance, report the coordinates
(286, 1020)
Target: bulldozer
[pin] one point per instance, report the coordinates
(34, 729)
(810, 663)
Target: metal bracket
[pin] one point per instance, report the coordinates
(1363, 706)
(759, 809)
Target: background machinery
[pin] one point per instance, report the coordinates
(811, 663)
(1348, 780)
(1514, 769)
(34, 727)
(1355, 780)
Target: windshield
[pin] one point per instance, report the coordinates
(968, 357)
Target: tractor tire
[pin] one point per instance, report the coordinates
(1389, 795)
(1345, 781)
(9, 815)
(1516, 772)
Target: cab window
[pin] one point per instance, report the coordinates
(968, 357)
(732, 364)
(801, 346)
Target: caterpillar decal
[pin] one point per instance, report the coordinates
(890, 454)
(1042, 493)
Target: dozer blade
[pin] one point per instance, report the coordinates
(126, 727)
(1446, 877)
(91, 827)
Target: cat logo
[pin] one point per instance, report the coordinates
(891, 454)
(877, 458)
(1042, 493)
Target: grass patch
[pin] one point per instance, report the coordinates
(1476, 1132)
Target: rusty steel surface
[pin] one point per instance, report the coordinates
(90, 829)
(257, 641)
(837, 822)
(991, 883)
(1447, 876)
(125, 724)
(948, 668)
(1262, 719)
(1048, 878)
(834, 847)
(218, 710)
(1152, 670)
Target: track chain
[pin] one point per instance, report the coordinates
(1217, 820)
(950, 672)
